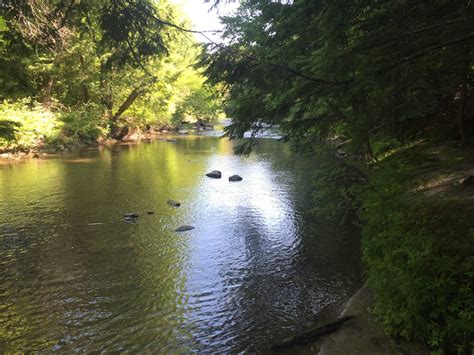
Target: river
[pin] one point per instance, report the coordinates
(257, 268)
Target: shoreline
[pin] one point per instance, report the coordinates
(10, 157)
(362, 334)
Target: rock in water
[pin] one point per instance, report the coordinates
(184, 228)
(235, 178)
(173, 203)
(215, 174)
(131, 218)
(150, 213)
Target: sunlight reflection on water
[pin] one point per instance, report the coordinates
(256, 269)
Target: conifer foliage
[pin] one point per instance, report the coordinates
(366, 70)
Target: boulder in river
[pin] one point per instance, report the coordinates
(184, 228)
(215, 174)
(235, 178)
(173, 203)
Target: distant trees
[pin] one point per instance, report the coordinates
(365, 70)
(110, 58)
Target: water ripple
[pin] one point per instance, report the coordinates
(256, 269)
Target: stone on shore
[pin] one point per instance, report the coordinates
(363, 335)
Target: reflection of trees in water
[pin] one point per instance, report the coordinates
(84, 285)
(93, 280)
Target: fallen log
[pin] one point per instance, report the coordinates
(313, 334)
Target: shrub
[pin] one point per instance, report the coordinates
(335, 192)
(8, 129)
(83, 122)
(419, 257)
(33, 124)
(419, 260)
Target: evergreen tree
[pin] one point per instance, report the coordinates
(366, 70)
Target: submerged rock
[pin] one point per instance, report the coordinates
(215, 174)
(173, 203)
(131, 218)
(150, 212)
(235, 178)
(184, 228)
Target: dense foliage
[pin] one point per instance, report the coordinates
(363, 69)
(419, 258)
(418, 251)
(98, 65)
(366, 77)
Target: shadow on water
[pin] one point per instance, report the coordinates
(257, 268)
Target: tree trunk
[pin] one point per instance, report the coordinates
(128, 102)
(85, 90)
(397, 117)
(461, 115)
(107, 99)
(369, 153)
(46, 90)
(463, 126)
(362, 134)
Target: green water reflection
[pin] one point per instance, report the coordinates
(75, 277)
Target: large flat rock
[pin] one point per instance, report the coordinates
(362, 335)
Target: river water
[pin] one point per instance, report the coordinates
(257, 268)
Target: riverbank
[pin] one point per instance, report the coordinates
(10, 155)
(28, 129)
(417, 222)
(363, 335)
